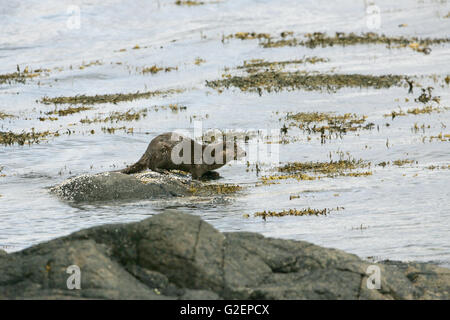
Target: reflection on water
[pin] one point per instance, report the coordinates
(398, 212)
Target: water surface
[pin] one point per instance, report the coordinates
(397, 213)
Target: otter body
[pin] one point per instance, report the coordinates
(171, 151)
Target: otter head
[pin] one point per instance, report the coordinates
(231, 151)
(217, 155)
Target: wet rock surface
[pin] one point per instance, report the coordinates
(118, 186)
(179, 256)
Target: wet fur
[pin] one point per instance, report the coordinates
(158, 156)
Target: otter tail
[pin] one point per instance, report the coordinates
(139, 166)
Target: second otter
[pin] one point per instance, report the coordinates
(173, 151)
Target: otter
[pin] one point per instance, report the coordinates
(173, 151)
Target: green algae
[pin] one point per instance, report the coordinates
(107, 98)
(274, 81)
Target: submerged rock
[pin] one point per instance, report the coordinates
(179, 256)
(118, 186)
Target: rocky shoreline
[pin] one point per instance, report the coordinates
(108, 186)
(174, 255)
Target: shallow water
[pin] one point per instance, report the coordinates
(397, 213)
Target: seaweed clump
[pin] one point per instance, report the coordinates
(318, 170)
(90, 64)
(68, 111)
(274, 81)
(331, 167)
(174, 107)
(398, 163)
(441, 137)
(256, 35)
(247, 36)
(198, 61)
(415, 111)
(426, 97)
(11, 138)
(12, 77)
(116, 116)
(107, 98)
(402, 162)
(271, 179)
(132, 115)
(293, 212)
(20, 76)
(442, 167)
(4, 115)
(188, 3)
(215, 189)
(320, 39)
(327, 123)
(155, 69)
(255, 65)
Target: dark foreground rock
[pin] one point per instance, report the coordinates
(178, 256)
(109, 186)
